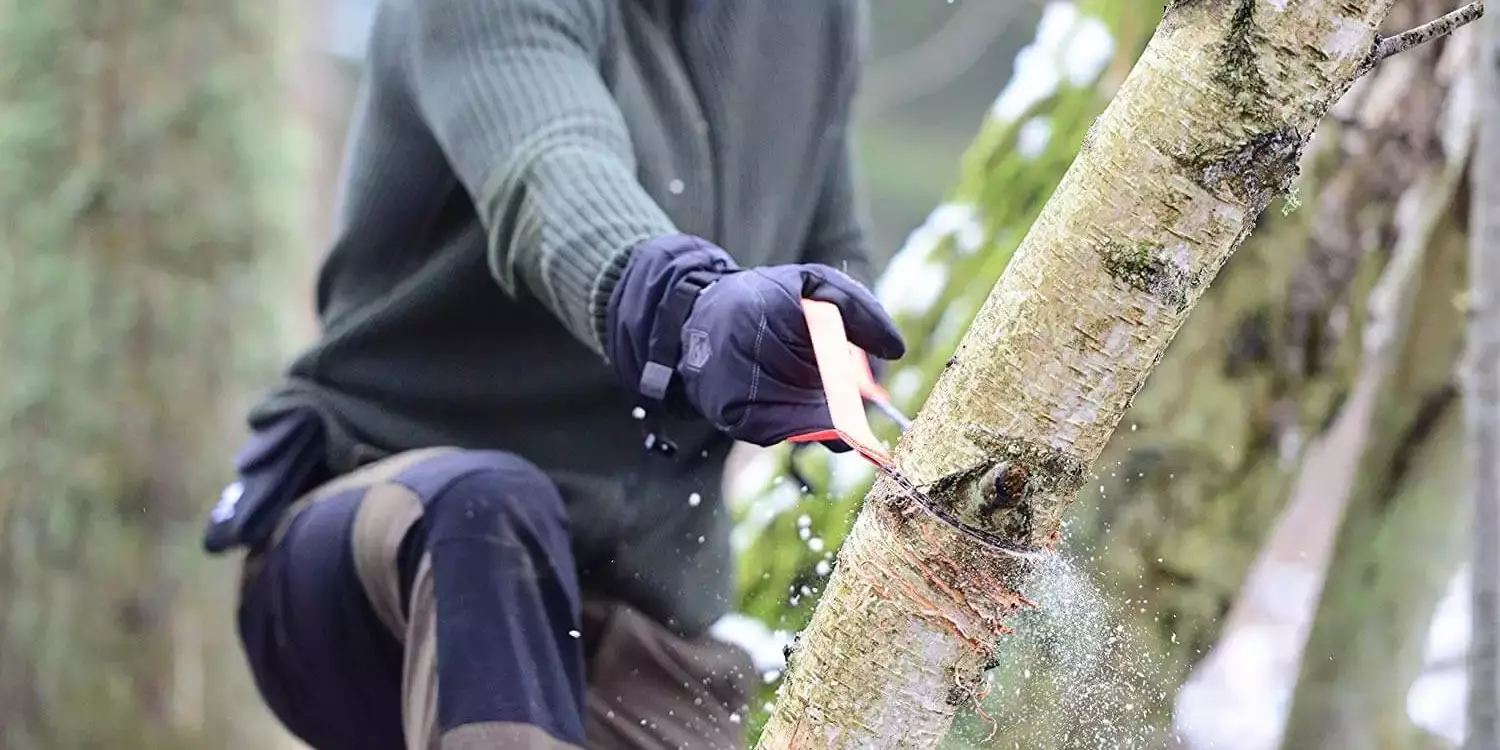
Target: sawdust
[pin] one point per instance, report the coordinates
(1072, 655)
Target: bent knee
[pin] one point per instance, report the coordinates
(485, 488)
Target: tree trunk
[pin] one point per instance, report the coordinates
(150, 199)
(1482, 396)
(1207, 129)
(1006, 176)
(1216, 444)
(1183, 499)
(1402, 535)
(1381, 161)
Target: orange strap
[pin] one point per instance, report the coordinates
(869, 387)
(847, 379)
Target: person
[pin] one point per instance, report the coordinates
(482, 509)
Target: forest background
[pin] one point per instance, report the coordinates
(1272, 551)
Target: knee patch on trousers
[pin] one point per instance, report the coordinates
(504, 595)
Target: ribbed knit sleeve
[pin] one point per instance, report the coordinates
(838, 235)
(511, 90)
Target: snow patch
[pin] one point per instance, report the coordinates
(750, 481)
(761, 512)
(347, 34)
(955, 321)
(911, 283)
(849, 472)
(1437, 700)
(1448, 636)
(914, 280)
(1068, 45)
(904, 386)
(1436, 703)
(1034, 136)
(762, 643)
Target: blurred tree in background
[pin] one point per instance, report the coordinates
(151, 215)
(933, 73)
(1389, 243)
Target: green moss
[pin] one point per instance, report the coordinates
(1239, 67)
(1143, 266)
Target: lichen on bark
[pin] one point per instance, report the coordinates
(1149, 269)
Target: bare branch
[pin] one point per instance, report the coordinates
(1428, 31)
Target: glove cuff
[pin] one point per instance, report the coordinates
(648, 307)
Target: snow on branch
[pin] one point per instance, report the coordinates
(1428, 31)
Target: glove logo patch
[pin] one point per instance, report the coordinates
(698, 350)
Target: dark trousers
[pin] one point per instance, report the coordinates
(429, 601)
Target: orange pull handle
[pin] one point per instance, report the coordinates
(847, 379)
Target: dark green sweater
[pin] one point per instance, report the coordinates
(505, 157)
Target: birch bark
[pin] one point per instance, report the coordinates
(1206, 130)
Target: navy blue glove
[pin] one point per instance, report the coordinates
(687, 328)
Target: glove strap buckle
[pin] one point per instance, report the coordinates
(665, 352)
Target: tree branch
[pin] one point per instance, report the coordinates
(1428, 31)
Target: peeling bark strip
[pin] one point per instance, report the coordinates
(914, 609)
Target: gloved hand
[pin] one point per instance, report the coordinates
(743, 357)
